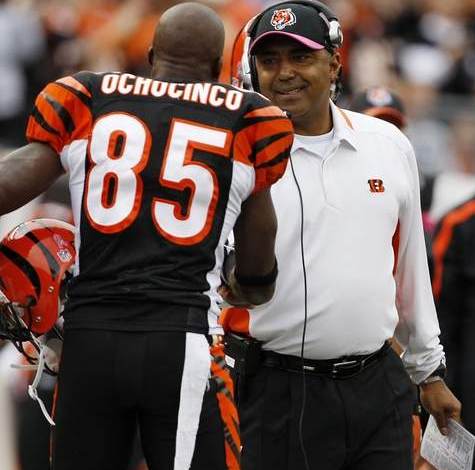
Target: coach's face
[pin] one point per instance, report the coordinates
(296, 78)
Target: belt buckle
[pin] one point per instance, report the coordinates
(343, 365)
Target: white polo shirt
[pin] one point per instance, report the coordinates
(360, 198)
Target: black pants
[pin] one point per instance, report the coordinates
(360, 423)
(173, 386)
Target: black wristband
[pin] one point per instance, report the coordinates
(260, 281)
(441, 371)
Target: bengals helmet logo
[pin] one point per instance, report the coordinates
(282, 18)
(376, 186)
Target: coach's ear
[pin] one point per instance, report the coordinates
(150, 55)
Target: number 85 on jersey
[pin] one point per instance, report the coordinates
(119, 151)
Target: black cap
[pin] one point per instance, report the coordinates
(297, 21)
(382, 103)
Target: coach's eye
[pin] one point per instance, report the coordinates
(268, 61)
(302, 58)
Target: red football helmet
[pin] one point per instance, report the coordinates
(36, 260)
(240, 67)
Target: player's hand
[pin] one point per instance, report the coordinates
(441, 403)
(231, 297)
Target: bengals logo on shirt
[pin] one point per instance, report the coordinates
(376, 186)
(282, 18)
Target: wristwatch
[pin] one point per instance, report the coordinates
(436, 376)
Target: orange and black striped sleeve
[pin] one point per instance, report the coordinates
(61, 113)
(264, 142)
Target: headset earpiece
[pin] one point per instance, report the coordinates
(335, 33)
(253, 73)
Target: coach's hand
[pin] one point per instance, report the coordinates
(441, 403)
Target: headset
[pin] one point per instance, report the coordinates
(243, 64)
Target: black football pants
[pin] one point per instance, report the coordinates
(172, 385)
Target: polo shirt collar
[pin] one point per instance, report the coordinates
(342, 126)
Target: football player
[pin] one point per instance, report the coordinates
(160, 170)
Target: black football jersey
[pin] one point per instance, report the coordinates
(157, 174)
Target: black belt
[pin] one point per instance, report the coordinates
(341, 368)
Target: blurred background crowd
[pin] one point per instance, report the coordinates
(422, 49)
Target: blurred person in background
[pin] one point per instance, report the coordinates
(380, 102)
(453, 285)
(453, 186)
(112, 35)
(424, 49)
(22, 40)
(429, 132)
